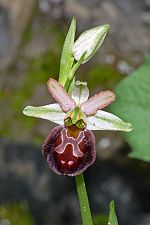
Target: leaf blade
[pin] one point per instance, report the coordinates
(67, 58)
(133, 105)
(112, 219)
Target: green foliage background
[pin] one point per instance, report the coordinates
(133, 105)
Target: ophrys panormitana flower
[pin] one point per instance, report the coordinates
(70, 148)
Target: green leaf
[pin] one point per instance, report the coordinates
(106, 121)
(112, 219)
(89, 42)
(67, 58)
(51, 112)
(133, 94)
(80, 92)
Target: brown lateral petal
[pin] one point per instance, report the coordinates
(98, 101)
(60, 95)
(69, 156)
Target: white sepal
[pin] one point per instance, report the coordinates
(106, 121)
(89, 42)
(51, 112)
(80, 92)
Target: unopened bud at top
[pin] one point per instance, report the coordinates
(89, 42)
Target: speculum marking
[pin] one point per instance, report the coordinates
(66, 140)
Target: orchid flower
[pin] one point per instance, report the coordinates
(70, 147)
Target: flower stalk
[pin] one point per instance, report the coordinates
(83, 200)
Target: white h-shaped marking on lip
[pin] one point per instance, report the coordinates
(70, 140)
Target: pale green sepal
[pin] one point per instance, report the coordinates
(51, 112)
(106, 121)
(80, 92)
(112, 219)
(89, 42)
(67, 58)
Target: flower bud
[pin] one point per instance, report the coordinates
(89, 42)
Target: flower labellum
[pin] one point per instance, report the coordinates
(70, 148)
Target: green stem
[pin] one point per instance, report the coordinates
(72, 72)
(76, 65)
(83, 200)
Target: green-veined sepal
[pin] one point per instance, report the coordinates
(51, 112)
(106, 121)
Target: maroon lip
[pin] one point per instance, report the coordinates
(69, 151)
